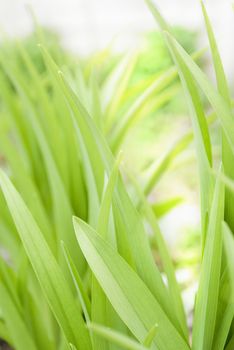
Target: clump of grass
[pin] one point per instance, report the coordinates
(91, 282)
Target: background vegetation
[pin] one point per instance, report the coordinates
(95, 153)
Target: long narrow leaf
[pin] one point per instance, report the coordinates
(207, 296)
(127, 293)
(46, 268)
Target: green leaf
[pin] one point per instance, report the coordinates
(62, 211)
(219, 70)
(115, 337)
(230, 344)
(202, 138)
(225, 310)
(131, 115)
(173, 287)
(135, 250)
(165, 161)
(19, 334)
(101, 308)
(125, 290)
(72, 347)
(207, 296)
(96, 108)
(157, 15)
(48, 272)
(4, 334)
(227, 154)
(200, 125)
(122, 76)
(162, 208)
(150, 336)
(105, 207)
(83, 297)
(229, 248)
(221, 107)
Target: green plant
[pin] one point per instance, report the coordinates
(97, 286)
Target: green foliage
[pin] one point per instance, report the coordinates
(91, 282)
(154, 57)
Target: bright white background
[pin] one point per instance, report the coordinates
(86, 25)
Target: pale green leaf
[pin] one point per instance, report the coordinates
(125, 290)
(46, 268)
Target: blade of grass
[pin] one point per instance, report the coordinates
(17, 329)
(230, 344)
(135, 248)
(207, 296)
(46, 268)
(83, 297)
(62, 210)
(150, 336)
(128, 119)
(228, 159)
(174, 292)
(125, 290)
(157, 15)
(96, 107)
(164, 207)
(101, 308)
(120, 88)
(202, 138)
(227, 155)
(220, 106)
(4, 334)
(201, 132)
(164, 162)
(112, 336)
(223, 327)
(161, 166)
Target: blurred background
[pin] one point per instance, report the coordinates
(103, 33)
(89, 25)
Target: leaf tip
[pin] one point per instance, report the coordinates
(75, 219)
